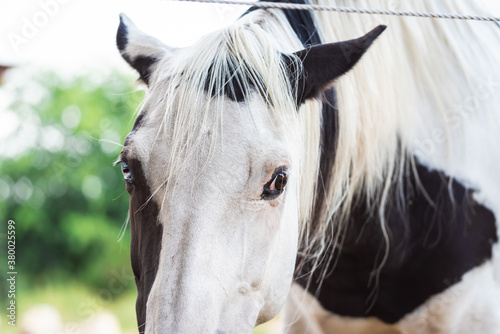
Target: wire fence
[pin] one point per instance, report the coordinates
(295, 6)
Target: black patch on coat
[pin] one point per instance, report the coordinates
(138, 122)
(432, 246)
(142, 64)
(301, 22)
(235, 89)
(328, 142)
(236, 86)
(122, 36)
(146, 235)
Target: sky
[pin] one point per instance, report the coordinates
(72, 35)
(78, 35)
(75, 35)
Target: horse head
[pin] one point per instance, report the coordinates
(216, 166)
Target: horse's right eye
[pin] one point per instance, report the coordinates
(127, 174)
(279, 182)
(276, 185)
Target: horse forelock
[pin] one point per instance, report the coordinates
(195, 87)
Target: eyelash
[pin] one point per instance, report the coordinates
(125, 168)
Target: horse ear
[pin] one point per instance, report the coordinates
(322, 64)
(140, 50)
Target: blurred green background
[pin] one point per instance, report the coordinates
(58, 184)
(69, 203)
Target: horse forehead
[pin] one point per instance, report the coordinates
(248, 124)
(244, 138)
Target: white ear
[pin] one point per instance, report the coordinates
(140, 50)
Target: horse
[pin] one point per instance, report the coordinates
(287, 162)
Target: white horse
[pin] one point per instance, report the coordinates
(250, 161)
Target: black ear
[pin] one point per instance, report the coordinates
(322, 64)
(138, 49)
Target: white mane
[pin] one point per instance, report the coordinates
(411, 81)
(425, 88)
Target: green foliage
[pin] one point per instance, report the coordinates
(68, 202)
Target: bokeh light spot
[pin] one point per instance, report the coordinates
(92, 186)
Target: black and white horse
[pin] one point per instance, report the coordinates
(255, 161)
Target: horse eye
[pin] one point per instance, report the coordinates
(127, 175)
(276, 185)
(279, 182)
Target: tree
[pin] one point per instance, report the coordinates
(57, 181)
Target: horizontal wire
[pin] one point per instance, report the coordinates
(294, 6)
